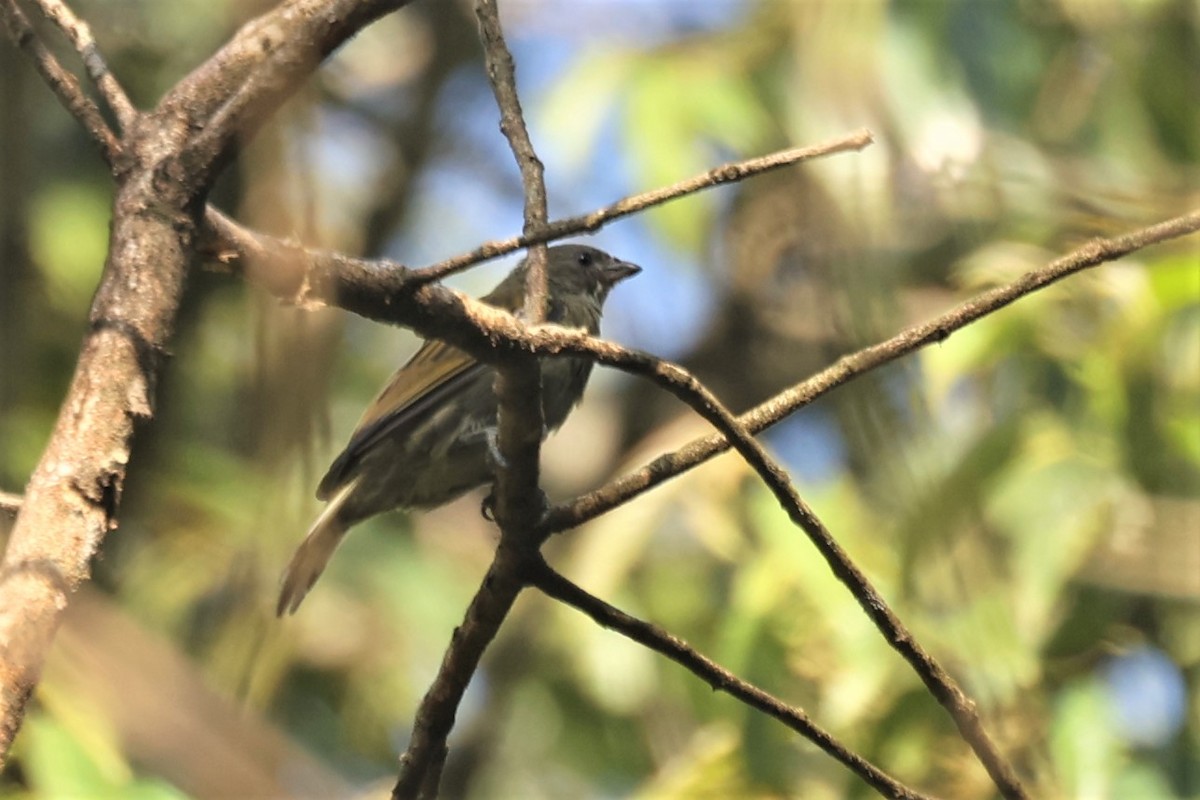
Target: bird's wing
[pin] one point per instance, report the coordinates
(433, 375)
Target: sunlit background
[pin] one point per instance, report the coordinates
(1026, 494)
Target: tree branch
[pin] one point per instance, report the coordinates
(848, 367)
(72, 498)
(420, 766)
(80, 36)
(518, 503)
(229, 97)
(593, 221)
(518, 381)
(388, 292)
(62, 82)
(551, 340)
(720, 679)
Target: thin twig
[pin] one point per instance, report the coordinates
(848, 367)
(518, 380)
(311, 276)
(503, 78)
(62, 82)
(80, 36)
(593, 221)
(555, 585)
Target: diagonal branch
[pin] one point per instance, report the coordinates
(63, 83)
(387, 292)
(420, 766)
(679, 382)
(503, 78)
(848, 367)
(80, 36)
(555, 585)
(593, 221)
(230, 96)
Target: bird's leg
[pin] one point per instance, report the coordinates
(497, 461)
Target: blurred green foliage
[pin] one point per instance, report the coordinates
(1026, 494)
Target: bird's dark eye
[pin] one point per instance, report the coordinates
(584, 259)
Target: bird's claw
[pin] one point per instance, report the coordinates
(487, 507)
(497, 458)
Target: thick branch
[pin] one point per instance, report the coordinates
(229, 97)
(72, 497)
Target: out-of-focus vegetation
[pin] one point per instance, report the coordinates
(1026, 494)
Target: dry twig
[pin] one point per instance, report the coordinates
(852, 365)
(555, 585)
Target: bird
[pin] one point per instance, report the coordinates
(429, 436)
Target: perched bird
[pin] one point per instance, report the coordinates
(425, 439)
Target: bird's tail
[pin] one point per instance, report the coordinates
(314, 553)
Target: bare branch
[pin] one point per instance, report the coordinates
(518, 381)
(503, 79)
(72, 498)
(591, 222)
(420, 764)
(387, 292)
(80, 36)
(720, 679)
(62, 82)
(850, 366)
(234, 92)
(554, 341)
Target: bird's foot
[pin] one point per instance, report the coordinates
(487, 508)
(495, 457)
